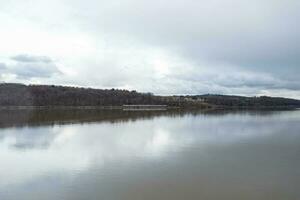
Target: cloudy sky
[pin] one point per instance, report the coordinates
(162, 46)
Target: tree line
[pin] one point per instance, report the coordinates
(12, 94)
(241, 101)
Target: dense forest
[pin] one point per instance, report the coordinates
(49, 95)
(252, 102)
(45, 95)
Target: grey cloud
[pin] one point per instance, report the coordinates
(31, 59)
(231, 82)
(261, 84)
(28, 66)
(33, 70)
(258, 35)
(2, 66)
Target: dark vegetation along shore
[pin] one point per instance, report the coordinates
(35, 96)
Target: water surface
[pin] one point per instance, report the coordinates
(114, 155)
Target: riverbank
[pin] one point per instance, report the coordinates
(125, 107)
(147, 108)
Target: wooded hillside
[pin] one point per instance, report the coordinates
(49, 95)
(45, 95)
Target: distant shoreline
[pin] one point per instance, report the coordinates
(78, 108)
(16, 108)
(20, 97)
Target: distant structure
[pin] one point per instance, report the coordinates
(144, 107)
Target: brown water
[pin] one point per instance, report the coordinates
(114, 155)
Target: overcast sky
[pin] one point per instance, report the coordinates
(161, 46)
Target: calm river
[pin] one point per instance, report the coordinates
(116, 155)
